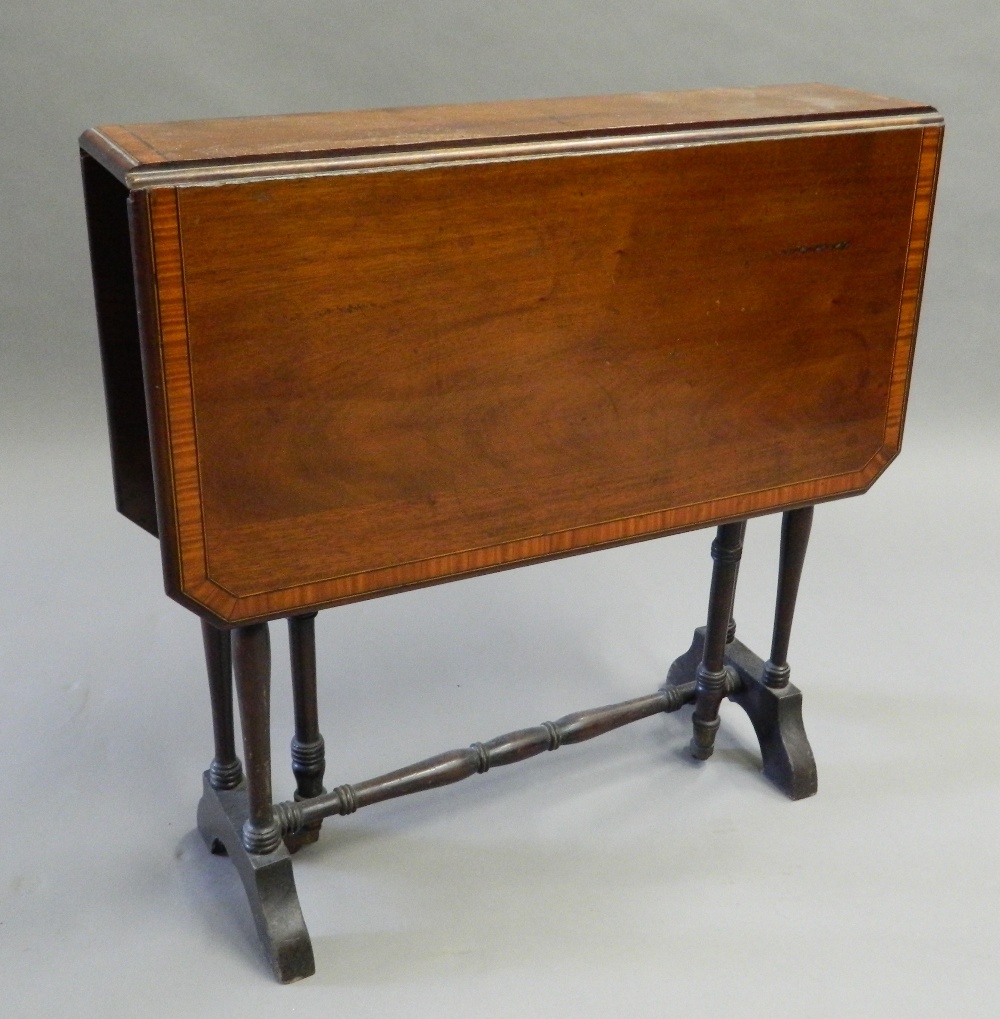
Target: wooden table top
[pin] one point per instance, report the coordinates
(389, 348)
(205, 144)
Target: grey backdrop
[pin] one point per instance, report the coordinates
(612, 878)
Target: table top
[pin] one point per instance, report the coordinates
(391, 348)
(142, 152)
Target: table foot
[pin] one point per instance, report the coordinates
(267, 879)
(776, 714)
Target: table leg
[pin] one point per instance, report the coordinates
(225, 772)
(711, 675)
(241, 820)
(252, 654)
(795, 528)
(761, 688)
(308, 749)
(767, 696)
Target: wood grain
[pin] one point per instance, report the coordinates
(372, 381)
(913, 283)
(125, 147)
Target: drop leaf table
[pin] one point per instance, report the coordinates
(353, 353)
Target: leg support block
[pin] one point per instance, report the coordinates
(776, 714)
(267, 878)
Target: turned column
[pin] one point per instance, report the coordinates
(795, 528)
(225, 772)
(308, 752)
(252, 660)
(727, 549)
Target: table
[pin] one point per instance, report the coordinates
(349, 354)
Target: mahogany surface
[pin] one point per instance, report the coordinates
(209, 143)
(388, 348)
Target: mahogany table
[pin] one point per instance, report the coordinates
(349, 354)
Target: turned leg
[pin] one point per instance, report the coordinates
(225, 772)
(308, 752)
(773, 704)
(760, 688)
(252, 657)
(241, 820)
(720, 630)
(795, 528)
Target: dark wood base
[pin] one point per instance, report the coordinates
(238, 816)
(776, 714)
(267, 878)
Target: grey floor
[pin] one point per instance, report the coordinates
(614, 877)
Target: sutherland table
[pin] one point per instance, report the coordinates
(349, 354)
